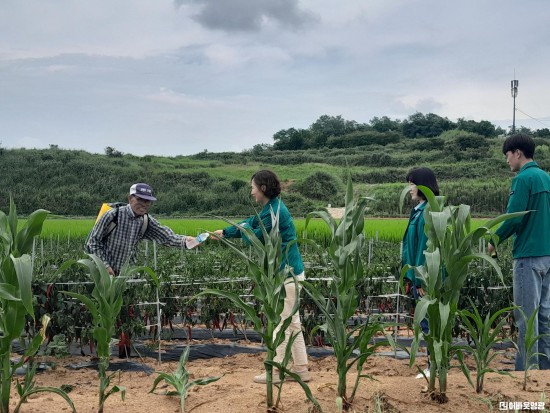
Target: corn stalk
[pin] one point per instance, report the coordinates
(450, 249)
(104, 305)
(485, 333)
(180, 380)
(530, 339)
(29, 387)
(344, 253)
(264, 269)
(15, 289)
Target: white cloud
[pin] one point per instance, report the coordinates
(59, 68)
(181, 99)
(174, 76)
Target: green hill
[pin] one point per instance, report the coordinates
(470, 168)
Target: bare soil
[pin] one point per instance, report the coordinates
(394, 388)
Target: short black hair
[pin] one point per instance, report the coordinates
(267, 182)
(520, 141)
(424, 177)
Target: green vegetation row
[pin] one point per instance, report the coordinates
(386, 229)
(73, 183)
(466, 157)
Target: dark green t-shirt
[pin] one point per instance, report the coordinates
(531, 232)
(286, 229)
(414, 242)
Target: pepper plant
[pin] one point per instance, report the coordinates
(105, 304)
(343, 251)
(451, 247)
(264, 258)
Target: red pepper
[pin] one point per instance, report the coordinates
(48, 293)
(232, 319)
(124, 345)
(216, 321)
(318, 341)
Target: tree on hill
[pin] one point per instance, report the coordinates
(484, 128)
(385, 124)
(426, 126)
(292, 139)
(327, 126)
(363, 138)
(112, 152)
(542, 133)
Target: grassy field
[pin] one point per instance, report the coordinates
(391, 229)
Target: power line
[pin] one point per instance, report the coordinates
(526, 114)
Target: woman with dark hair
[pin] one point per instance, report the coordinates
(265, 188)
(415, 239)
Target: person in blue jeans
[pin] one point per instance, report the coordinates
(266, 188)
(531, 248)
(415, 238)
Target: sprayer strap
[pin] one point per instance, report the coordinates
(144, 225)
(113, 224)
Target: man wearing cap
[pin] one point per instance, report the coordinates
(117, 244)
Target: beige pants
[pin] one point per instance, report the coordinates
(299, 354)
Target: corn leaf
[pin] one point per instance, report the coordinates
(8, 292)
(23, 269)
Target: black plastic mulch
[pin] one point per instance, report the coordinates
(122, 365)
(173, 348)
(207, 334)
(207, 351)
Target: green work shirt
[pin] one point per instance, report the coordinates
(414, 242)
(531, 232)
(286, 229)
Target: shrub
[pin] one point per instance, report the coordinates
(363, 138)
(320, 186)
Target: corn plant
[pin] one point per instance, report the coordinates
(485, 335)
(264, 260)
(180, 380)
(29, 387)
(529, 342)
(450, 249)
(344, 253)
(105, 304)
(16, 294)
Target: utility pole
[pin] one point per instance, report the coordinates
(514, 91)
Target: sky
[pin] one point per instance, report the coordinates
(177, 77)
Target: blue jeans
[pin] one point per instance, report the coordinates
(532, 290)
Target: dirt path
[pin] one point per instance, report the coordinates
(394, 387)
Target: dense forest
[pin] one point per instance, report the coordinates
(313, 163)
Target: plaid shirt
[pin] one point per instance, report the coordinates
(120, 246)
